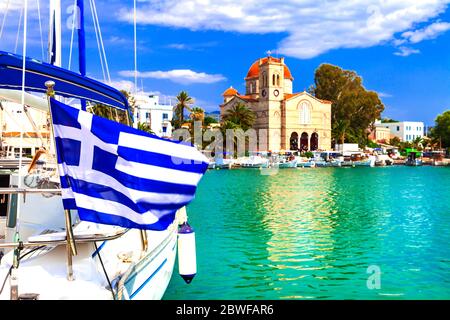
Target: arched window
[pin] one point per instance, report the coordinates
(305, 112)
(264, 79)
(273, 80)
(278, 80)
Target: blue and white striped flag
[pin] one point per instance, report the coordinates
(115, 174)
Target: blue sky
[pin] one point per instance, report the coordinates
(400, 47)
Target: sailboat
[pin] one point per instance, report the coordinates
(47, 250)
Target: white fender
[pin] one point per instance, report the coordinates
(187, 259)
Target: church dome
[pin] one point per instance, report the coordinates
(253, 72)
(230, 92)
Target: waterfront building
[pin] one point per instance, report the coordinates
(291, 121)
(159, 116)
(380, 134)
(405, 130)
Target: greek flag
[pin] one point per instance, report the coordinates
(115, 174)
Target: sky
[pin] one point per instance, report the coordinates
(401, 48)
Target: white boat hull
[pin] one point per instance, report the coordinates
(137, 270)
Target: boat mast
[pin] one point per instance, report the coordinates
(81, 44)
(54, 39)
(81, 39)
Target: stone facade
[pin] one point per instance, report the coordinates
(291, 121)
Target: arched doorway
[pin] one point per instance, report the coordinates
(314, 141)
(294, 141)
(304, 142)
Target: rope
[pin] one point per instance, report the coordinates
(24, 54)
(135, 48)
(101, 41)
(40, 29)
(73, 31)
(98, 42)
(18, 30)
(104, 270)
(4, 19)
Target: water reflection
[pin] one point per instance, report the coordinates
(313, 233)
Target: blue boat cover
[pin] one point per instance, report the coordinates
(67, 83)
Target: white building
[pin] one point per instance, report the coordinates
(405, 130)
(158, 116)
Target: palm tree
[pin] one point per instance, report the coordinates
(417, 143)
(197, 114)
(240, 115)
(101, 110)
(183, 103)
(144, 127)
(340, 130)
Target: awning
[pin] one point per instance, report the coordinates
(67, 83)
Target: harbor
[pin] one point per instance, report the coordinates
(312, 234)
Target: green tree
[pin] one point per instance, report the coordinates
(240, 115)
(208, 120)
(354, 108)
(101, 110)
(388, 120)
(441, 130)
(184, 101)
(395, 141)
(340, 130)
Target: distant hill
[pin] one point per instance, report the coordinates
(213, 114)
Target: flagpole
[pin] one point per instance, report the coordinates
(71, 247)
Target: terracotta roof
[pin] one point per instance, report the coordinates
(246, 97)
(290, 95)
(253, 72)
(230, 92)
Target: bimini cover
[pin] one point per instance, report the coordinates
(67, 83)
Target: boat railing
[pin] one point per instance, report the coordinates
(84, 239)
(63, 241)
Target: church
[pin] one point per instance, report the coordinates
(292, 121)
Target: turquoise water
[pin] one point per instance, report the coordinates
(313, 233)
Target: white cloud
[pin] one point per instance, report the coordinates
(429, 32)
(178, 46)
(406, 51)
(384, 95)
(183, 76)
(313, 27)
(126, 85)
(192, 46)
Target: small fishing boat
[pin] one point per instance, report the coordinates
(365, 162)
(306, 164)
(253, 162)
(413, 158)
(288, 164)
(222, 163)
(211, 164)
(383, 160)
